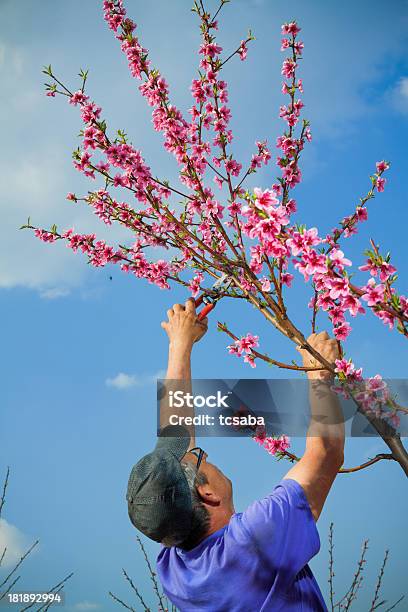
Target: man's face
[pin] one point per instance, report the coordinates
(217, 481)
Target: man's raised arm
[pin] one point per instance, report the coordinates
(183, 330)
(324, 453)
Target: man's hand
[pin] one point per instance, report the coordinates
(183, 327)
(327, 347)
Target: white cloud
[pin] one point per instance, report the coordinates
(13, 56)
(85, 605)
(36, 188)
(54, 293)
(15, 542)
(399, 95)
(126, 381)
(35, 175)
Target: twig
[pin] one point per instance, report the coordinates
(9, 588)
(152, 573)
(19, 563)
(357, 580)
(2, 555)
(278, 364)
(122, 603)
(357, 468)
(379, 580)
(134, 588)
(331, 564)
(396, 604)
(314, 311)
(48, 605)
(58, 586)
(3, 495)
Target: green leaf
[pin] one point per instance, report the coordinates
(47, 70)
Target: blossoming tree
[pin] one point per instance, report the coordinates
(250, 237)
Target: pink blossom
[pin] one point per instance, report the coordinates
(286, 279)
(194, 284)
(337, 257)
(311, 263)
(234, 208)
(344, 367)
(78, 98)
(45, 236)
(324, 301)
(210, 49)
(342, 331)
(243, 50)
(362, 213)
(386, 317)
(273, 445)
(288, 68)
(291, 206)
(290, 28)
(300, 242)
(376, 383)
(233, 167)
(248, 342)
(386, 270)
(213, 207)
(349, 370)
(373, 293)
(382, 166)
(266, 198)
(114, 13)
(380, 183)
(265, 284)
(285, 44)
(352, 304)
(250, 359)
(244, 345)
(339, 287)
(218, 181)
(370, 266)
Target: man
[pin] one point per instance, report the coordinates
(214, 559)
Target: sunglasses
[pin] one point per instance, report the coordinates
(199, 453)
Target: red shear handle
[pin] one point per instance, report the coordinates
(207, 308)
(199, 300)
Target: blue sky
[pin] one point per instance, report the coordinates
(71, 438)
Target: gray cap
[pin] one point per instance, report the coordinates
(158, 494)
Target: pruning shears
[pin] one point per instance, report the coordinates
(210, 301)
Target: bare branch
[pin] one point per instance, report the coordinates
(122, 603)
(55, 589)
(395, 605)
(379, 580)
(3, 595)
(331, 566)
(19, 563)
(3, 495)
(152, 574)
(134, 588)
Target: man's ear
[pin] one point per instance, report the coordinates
(207, 495)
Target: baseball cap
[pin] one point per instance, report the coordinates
(158, 493)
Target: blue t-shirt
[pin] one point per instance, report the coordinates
(258, 562)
